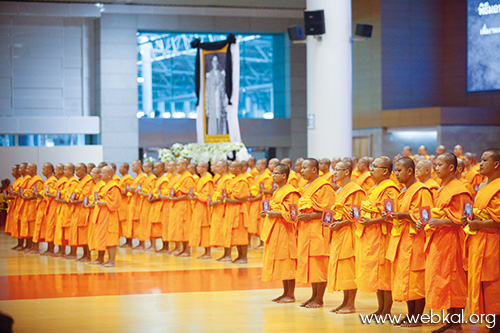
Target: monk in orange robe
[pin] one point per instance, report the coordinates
(298, 168)
(445, 279)
(15, 225)
(105, 234)
(406, 246)
(180, 209)
(163, 194)
(124, 182)
(422, 151)
(43, 204)
(90, 206)
(200, 223)
(79, 230)
(355, 171)
(218, 208)
(458, 176)
(471, 174)
(63, 220)
(28, 215)
(313, 241)
(147, 186)
(440, 150)
(280, 236)
(116, 178)
(293, 179)
(458, 150)
(252, 166)
(423, 172)
(373, 270)
(131, 229)
(364, 180)
(52, 208)
(13, 202)
(484, 243)
(263, 181)
(324, 167)
(235, 227)
(342, 263)
(153, 227)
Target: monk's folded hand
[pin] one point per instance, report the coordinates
(419, 225)
(464, 221)
(475, 225)
(101, 203)
(262, 214)
(434, 222)
(304, 217)
(335, 225)
(399, 215)
(272, 214)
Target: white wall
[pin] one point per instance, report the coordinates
(40, 155)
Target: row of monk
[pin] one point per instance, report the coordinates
(395, 252)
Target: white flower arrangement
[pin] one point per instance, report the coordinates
(207, 152)
(150, 159)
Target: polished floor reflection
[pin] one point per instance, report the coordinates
(150, 292)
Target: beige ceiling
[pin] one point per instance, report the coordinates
(278, 4)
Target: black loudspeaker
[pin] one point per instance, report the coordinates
(364, 30)
(295, 33)
(314, 22)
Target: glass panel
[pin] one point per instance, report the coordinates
(166, 74)
(7, 140)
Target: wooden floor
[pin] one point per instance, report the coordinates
(150, 292)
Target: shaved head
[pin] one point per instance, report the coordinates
(407, 162)
(450, 159)
(345, 164)
(287, 161)
(386, 162)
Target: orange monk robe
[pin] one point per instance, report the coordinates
(406, 246)
(254, 172)
(342, 263)
(328, 176)
(217, 220)
(42, 211)
(131, 229)
(52, 209)
(395, 180)
(106, 226)
(280, 237)
(155, 214)
(15, 228)
(355, 174)
(235, 228)
(79, 230)
(124, 204)
(216, 178)
(302, 184)
(313, 240)
(365, 181)
(445, 280)
(200, 223)
(28, 217)
(484, 254)
(255, 207)
(63, 220)
(433, 186)
(196, 178)
(92, 211)
(468, 186)
(474, 178)
(180, 211)
(293, 179)
(13, 206)
(116, 178)
(165, 206)
(373, 270)
(147, 187)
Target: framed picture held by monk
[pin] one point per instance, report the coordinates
(85, 201)
(72, 198)
(266, 205)
(224, 194)
(467, 209)
(96, 196)
(209, 199)
(425, 214)
(356, 213)
(327, 217)
(58, 195)
(293, 211)
(388, 206)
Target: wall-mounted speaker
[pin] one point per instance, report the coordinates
(314, 22)
(364, 30)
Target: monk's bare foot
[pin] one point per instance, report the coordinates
(33, 251)
(286, 299)
(205, 256)
(163, 250)
(84, 259)
(441, 329)
(411, 324)
(25, 249)
(184, 254)
(97, 262)
(277, 298)
(108, 264)
(240, 261)
(225, 259)
(337, 308)
(346, 310)
(259, 247)
(58, 254)
(139, 247)
(175, 252)
(304, 304)
(314, 304)
(70, 256)
(46, 253)
(401, 322)
(16, 248)
(126, 245)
